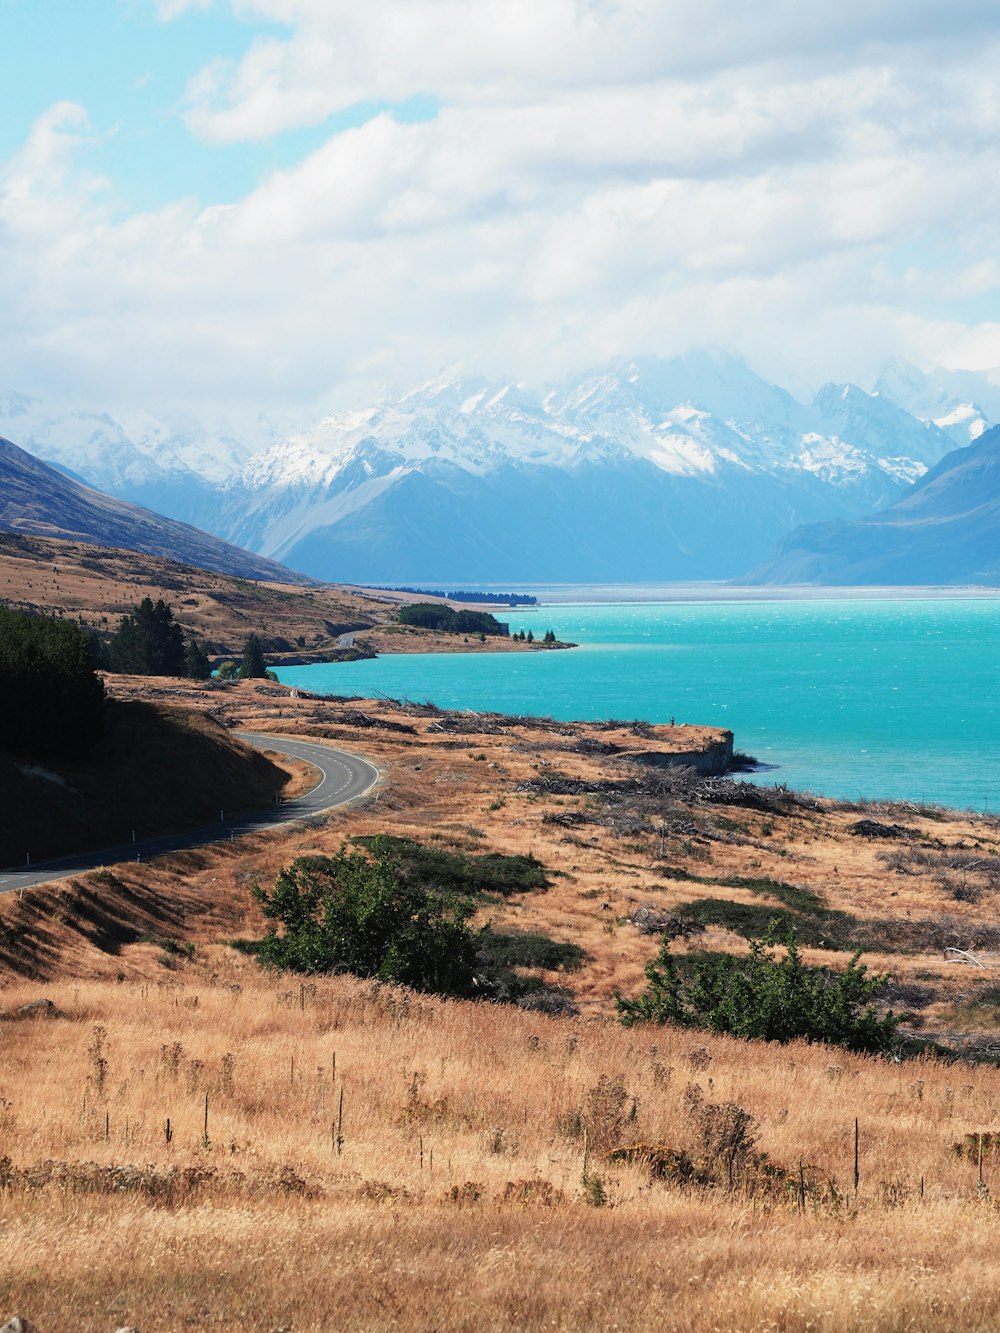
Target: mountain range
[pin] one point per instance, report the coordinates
(37, 500)
(648, 469)
(945, 531)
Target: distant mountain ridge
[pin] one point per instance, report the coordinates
(946, 531)
(37, 500)
(645, 469)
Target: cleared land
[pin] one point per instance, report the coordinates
(376, 1159)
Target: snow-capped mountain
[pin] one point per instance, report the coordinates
(960, 403)
(942, 531)
(645, 469)
(173, 463)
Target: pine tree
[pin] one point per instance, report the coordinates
(53, 700)
(148, 642)
(196, 663)
(253, 666)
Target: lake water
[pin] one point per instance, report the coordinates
(862, 697)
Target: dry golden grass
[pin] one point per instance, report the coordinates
(457, 1200)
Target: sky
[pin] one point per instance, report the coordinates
(288, 203)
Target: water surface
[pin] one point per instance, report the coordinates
(860, 697)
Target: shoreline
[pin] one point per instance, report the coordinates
(614, 594)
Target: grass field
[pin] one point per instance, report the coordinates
(375, 1159)
(446, 1190)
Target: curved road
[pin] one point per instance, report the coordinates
(343, 778)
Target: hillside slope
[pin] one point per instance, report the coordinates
(96, 586)
(944, 532)
(154, 770)
(415, 1136)
(35, 498)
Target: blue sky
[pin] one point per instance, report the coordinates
(291, 201)
(130, 69)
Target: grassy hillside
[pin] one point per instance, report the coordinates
(98, 585)
(377, 1159)
(155, 769)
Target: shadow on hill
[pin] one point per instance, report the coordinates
(156, 769)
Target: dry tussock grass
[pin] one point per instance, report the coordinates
(431, 1215)
(98, 585)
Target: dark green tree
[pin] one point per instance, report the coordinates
(430, 615)
(360, 914)
(196, 663)
(148, 642)
(253, 666)
(51, 698)
(767, 997)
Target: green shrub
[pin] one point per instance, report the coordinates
(528, 949)
(792, 895)
(454, 872)
(352, 913)
(765, 996)
(824, 930)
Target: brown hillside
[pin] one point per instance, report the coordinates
(320, 1152)
(98, 585)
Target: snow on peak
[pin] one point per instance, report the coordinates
(954, 403)
(704, 414)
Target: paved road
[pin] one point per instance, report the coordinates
(343, 777)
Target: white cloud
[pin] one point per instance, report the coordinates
(511, 51)
(168, 10)
(814, 187)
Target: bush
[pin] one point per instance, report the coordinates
(529, 949)
(767, 997)
(349, 913)
(824, 929)
(453, 872)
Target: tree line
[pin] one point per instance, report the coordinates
(51, 698)
(149, 642)
(490, 598)
(428, 615)
(548, 637)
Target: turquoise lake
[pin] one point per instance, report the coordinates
(881, 698)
